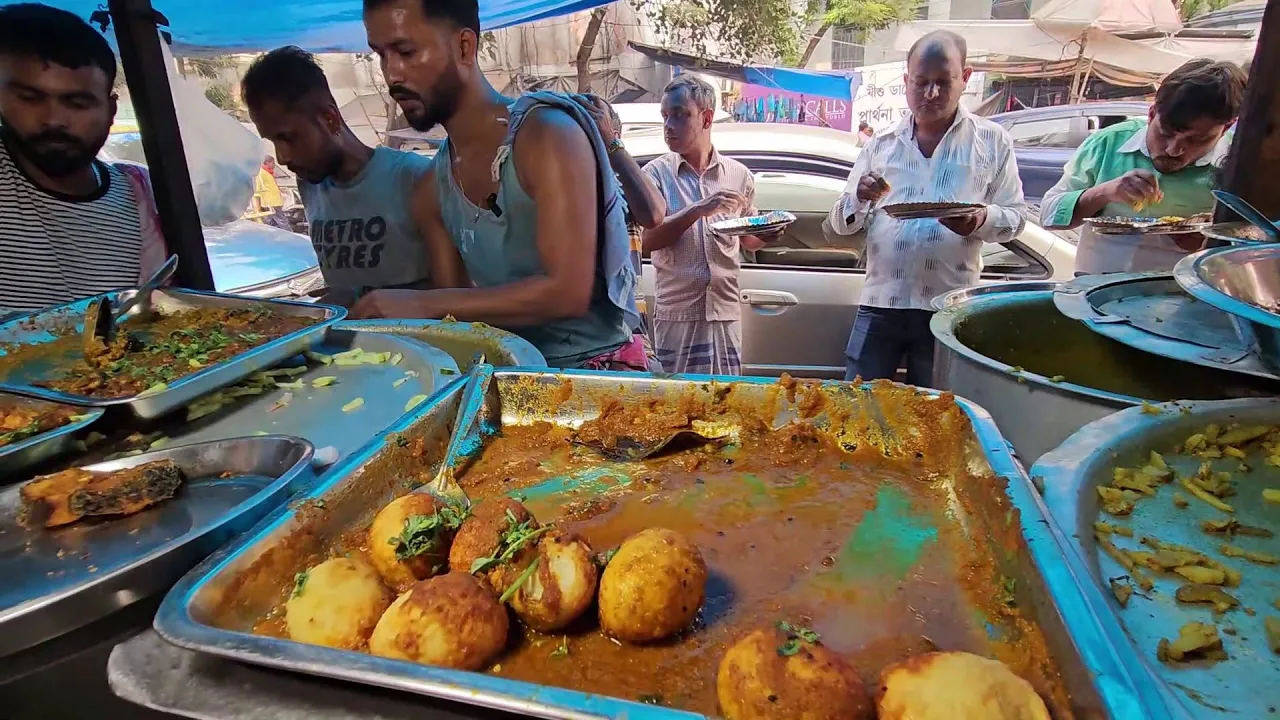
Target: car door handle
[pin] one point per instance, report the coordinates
(771, 175)
(768, 297)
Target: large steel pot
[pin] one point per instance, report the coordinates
(1005, 350)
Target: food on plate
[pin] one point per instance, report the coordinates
(1232, 527)
(562, 585)
(148, 355)
(1271, 626)
(1195, 641)
(449, 620)
(1220, 599)
(785, 673)
(336, 604)
(65, 497)
(1253, 556)
(496, 543)
(19, 421)
(409, 539)
(956, 686)
(1271, 495)
(1122, 589)
(653, 586)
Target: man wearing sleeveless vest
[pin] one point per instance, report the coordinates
(70, 225)
(522, 214)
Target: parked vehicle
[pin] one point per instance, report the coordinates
(644, 116)
(1046, 138)
(800, 296)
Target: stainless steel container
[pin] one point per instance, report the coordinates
(29, 452)
(955, 297)
(1245, 283)
(461, 340)
(1244, 685)
(1042, 375)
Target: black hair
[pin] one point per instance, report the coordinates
(464, 14)
(1201, 88)
(54, 36)
(940, 41)
(288, 75)
(864, 125)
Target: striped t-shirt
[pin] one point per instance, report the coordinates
(55, 248)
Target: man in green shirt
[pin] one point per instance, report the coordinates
(1164, 165)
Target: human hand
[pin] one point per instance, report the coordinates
(725, 202)
(390, 304)
(967, 224)
(872, 187)
(1135, 188)
(604, 115)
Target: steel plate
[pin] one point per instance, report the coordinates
(1245, 283)
(1152, 313)
(192, 614)
(36, 328)
(1236, 232)
(57, 580)
(1243, 686)
(32, 451)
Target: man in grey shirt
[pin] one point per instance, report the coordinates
(357, 198)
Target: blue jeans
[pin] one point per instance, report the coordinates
(882, 337)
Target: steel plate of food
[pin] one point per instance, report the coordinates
(833, 538)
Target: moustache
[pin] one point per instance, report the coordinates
(57, 137)
(400, 92)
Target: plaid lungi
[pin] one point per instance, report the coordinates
(702, 347)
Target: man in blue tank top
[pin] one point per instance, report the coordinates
(513, 208)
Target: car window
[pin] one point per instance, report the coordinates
(1053, 132)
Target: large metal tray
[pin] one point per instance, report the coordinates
(32, 451)
(57, 580)
(38, 327)
(212, 609)
(1151, 312)
(1244, 282)
(461, 340)
(1243, 686)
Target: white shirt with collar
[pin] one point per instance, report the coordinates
(1097, 253)
(911, 261)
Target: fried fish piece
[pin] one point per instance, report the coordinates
(65, 497)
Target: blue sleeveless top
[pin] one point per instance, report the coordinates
(501, 249)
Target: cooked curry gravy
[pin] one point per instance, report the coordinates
(870, 552)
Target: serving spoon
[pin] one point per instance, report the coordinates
(99, 318)
(445, 483)
(629, 449)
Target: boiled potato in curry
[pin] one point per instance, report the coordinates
(956, 686)
(336, 604)
(449, 620)
(561, 587)
(409, 539)
(496, 527)
(653, 587)
(784, 673)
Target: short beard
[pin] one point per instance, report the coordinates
(53, 163)
(444, 100)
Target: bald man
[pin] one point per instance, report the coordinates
(939, 152)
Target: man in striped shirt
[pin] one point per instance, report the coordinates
(70, 225)
(940, 152)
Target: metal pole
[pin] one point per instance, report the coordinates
(148, 79)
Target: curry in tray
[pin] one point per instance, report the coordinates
(782, 572)
(148, 355)
(20, 420)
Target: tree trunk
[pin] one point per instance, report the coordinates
(583, 60)
(813, 44)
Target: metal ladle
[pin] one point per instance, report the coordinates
(445, 483)
(629, 449)
(99, 319)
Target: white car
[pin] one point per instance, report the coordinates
(800, 295)
(639, 117)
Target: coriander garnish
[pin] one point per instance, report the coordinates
(299, 582)
(603, 558)
(521, 580)
(563, 649)
(514, 538)
(796, 635)
(421, 533)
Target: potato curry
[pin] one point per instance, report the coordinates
(882, 557)
(19, 421)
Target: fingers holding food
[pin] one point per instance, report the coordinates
(872, 187)
(409, 539)
(450, 621)
(562, 585)
(1136, 188)
(785, 673)
(336, 604)
(653, 587)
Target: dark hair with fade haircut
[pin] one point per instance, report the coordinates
(55, 36)
(462, 13)
(1201, 88)
(288, 75)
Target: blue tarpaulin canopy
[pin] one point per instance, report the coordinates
(838, 85)
(224, 26)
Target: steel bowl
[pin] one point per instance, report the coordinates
(955, 297)
(1244, 282)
